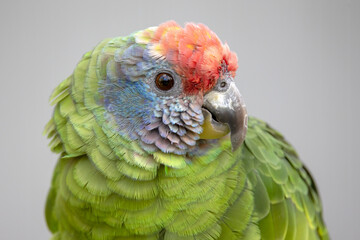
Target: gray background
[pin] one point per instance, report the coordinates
(298, 69)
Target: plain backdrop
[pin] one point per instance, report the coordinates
(299, 67)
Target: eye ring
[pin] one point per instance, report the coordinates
(223, 84)
(164, 81)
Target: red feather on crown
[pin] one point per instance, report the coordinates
(196, 53)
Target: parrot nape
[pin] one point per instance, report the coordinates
(155, 143)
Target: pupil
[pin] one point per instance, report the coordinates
(164, 81)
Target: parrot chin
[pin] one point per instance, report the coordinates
(224, 112)
(212, 129)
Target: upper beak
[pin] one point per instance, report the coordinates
(226, 107)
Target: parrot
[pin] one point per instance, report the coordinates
(155, 142)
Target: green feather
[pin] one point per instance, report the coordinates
(274, 225)
(238, 215)
(105, 165)
(86, 176)
(261, 199)
(133, 189)
(61, 91)
(172, 160)
(292, 224)
(252, 232)
(134, 172)
(274, 190)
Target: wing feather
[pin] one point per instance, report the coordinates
(295, 208)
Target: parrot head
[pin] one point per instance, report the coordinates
(172, 89)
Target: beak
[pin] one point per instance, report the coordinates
(224, 111)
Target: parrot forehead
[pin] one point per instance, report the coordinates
(195, 52)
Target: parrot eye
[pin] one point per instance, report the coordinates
(164, 81)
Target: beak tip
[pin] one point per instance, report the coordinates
(236, 143)
(238, 136)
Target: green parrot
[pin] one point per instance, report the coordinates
(155, 143)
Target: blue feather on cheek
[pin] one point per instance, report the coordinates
(130, 104)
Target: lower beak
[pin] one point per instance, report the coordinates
(224, 110)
